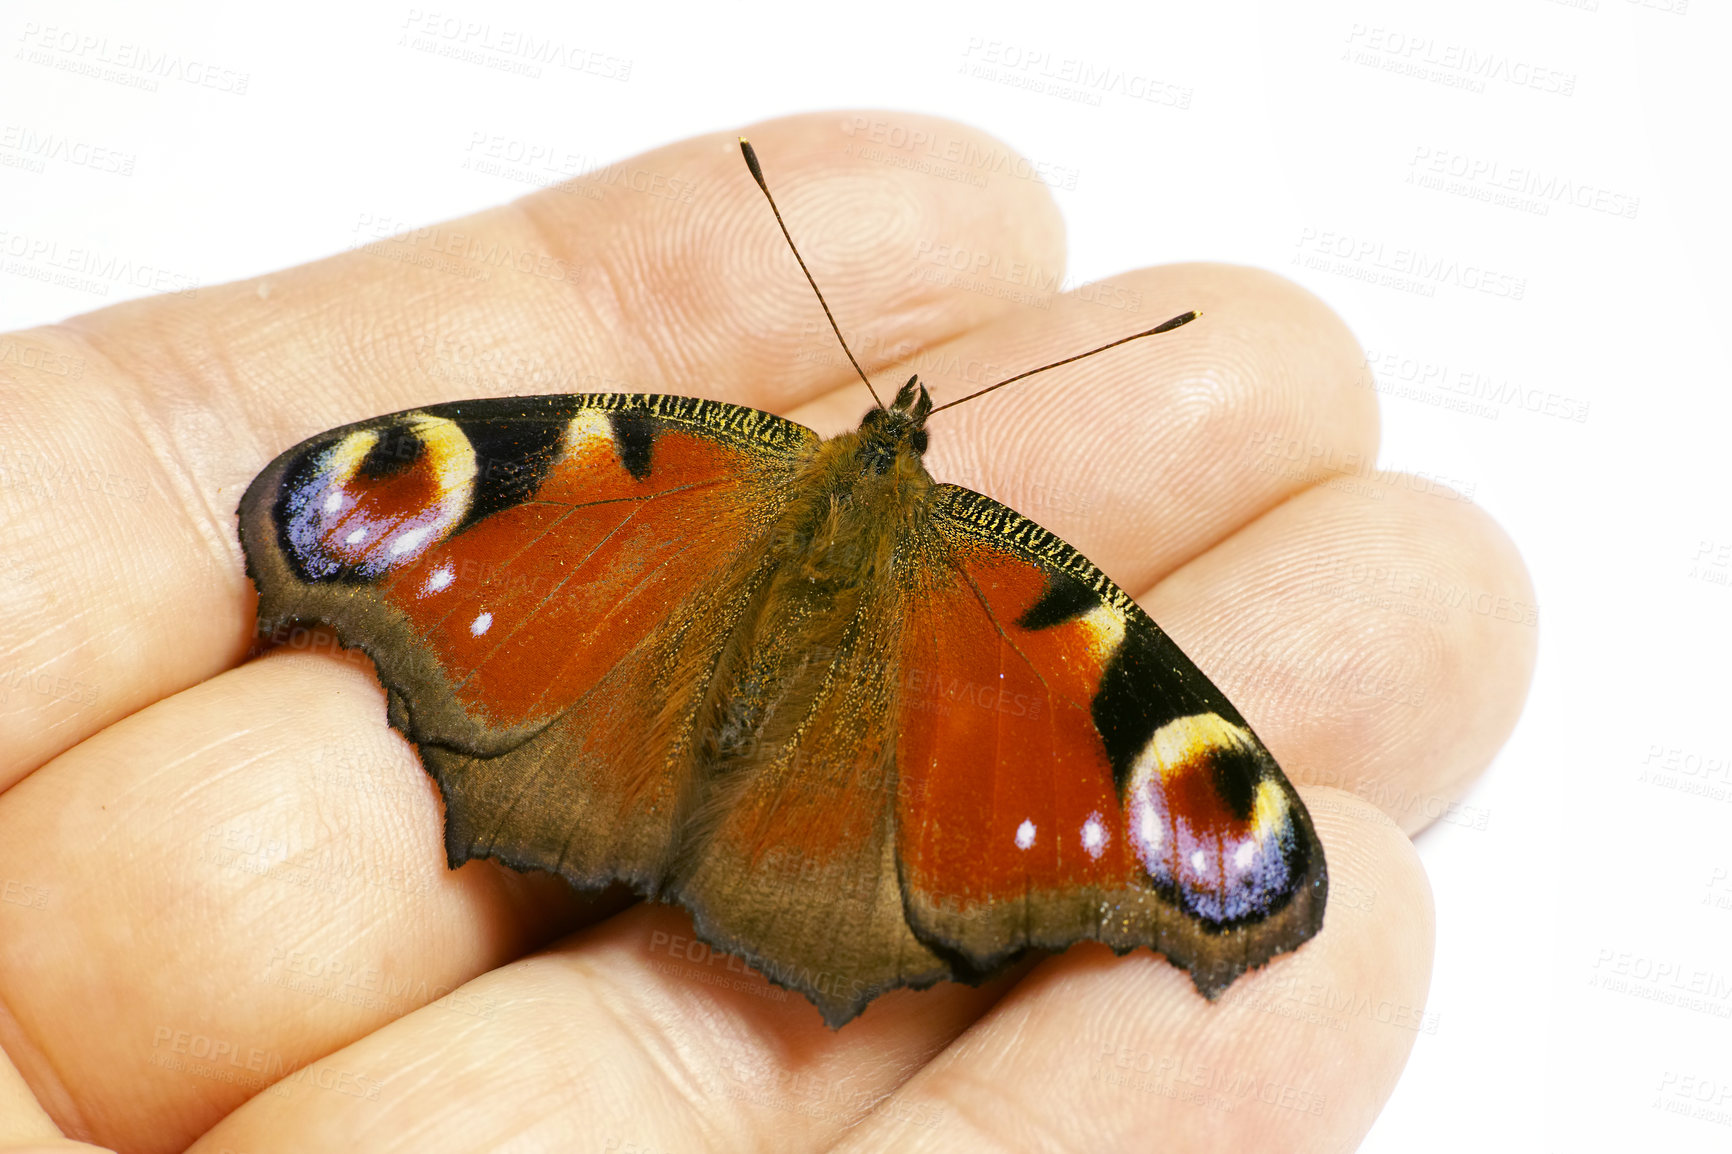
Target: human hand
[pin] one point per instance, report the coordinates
(226, 880)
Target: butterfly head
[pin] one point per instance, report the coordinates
(896, 431)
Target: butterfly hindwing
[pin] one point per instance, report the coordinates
(1066, 773)
(535, 579)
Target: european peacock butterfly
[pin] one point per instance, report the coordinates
(870, 730)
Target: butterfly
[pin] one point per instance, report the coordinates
(869, 729)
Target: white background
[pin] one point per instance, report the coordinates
(1557, 350)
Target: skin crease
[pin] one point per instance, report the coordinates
(242, 852)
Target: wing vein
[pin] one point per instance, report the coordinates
(554, 524)
(530, 616)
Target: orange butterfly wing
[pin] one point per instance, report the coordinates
(1064, 772)
(535, 579)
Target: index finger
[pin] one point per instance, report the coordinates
(120, 492)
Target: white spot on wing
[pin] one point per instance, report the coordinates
(356, 537)
(333, 502)
(1198, 863)
(438, 579)
(1244, 856)
(409, 540)
(482, 623)
(1149, 826)
(1094, 835)
(1025, 834)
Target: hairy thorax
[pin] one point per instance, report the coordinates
(831, 578)
(855, 502)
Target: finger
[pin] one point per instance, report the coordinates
(199, 907)
(1380, 637)
(119, 494)
(1092, 1053)
(624, 1038)
(1144, 455)
(620, 1041)
(25, 1127)
(22, 1120)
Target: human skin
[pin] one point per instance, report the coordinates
(200, 845)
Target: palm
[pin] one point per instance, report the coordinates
(218, 874)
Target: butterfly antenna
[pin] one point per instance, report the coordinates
(1163, 327)
(758, 175)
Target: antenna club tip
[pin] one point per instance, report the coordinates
(1169, 325)
(751, 156)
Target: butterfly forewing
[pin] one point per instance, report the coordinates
(536, 580)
